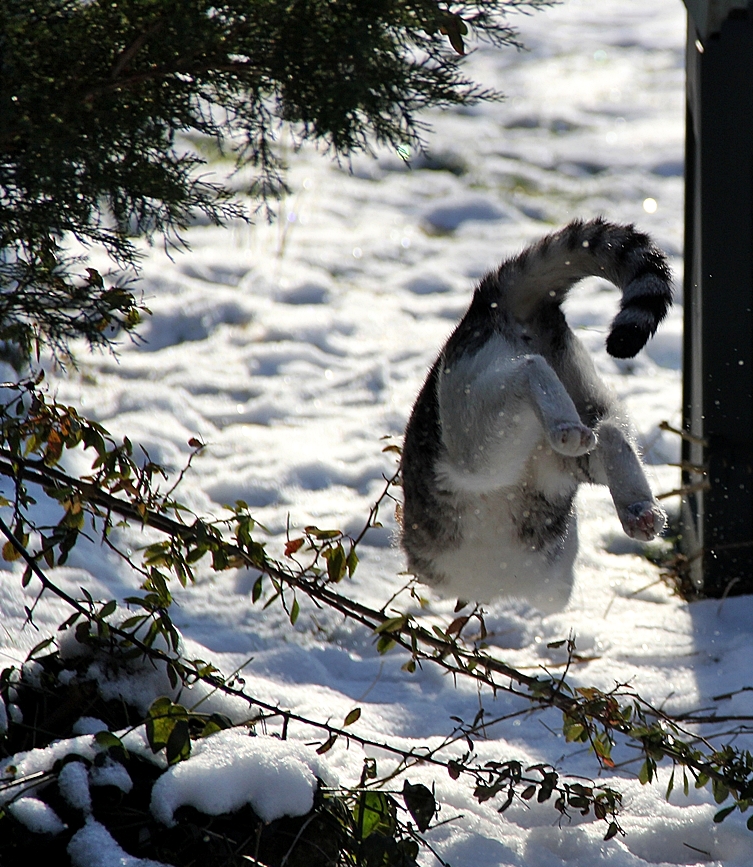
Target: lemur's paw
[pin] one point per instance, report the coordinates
(644, 520)
(573, 439)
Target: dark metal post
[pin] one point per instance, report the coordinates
(718, 344)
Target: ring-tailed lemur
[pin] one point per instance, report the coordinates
(513, 417)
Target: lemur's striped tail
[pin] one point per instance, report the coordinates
(544, 273)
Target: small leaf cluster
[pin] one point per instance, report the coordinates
(728, 771)
(329, 545)
(48, 299)
(376, 834)
(511, 780)
(34, 433)
(170, 727)
(595, 706)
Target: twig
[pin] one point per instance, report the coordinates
(686, 435)
(684, 490)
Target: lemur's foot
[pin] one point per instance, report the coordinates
(572, 439)
(644, 520)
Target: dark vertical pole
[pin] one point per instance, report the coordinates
(718, 344)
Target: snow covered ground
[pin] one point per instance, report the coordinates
(292, 349)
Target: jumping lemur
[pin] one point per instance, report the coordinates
(513, 417)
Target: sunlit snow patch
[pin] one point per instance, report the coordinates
(230, 769)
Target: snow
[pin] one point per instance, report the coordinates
(291, 349)
(15, 769)
(73, 782)
(229, 769)
(110, 773)
(88, 725)
(93, 846)
(37, 816)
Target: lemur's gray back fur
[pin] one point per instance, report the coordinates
(514, 353)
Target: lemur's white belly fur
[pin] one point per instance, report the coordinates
(490, 561)
(491, 558)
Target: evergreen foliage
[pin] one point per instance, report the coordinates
(96, 99)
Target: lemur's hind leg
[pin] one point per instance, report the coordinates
(615, 463)
(492, 418)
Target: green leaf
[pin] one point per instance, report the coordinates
(172, 675)
(322, 535)
(353, 716)
(336, 564)
(420, 803)
(375, 811)
(574, 731)
(130, 622)
(612, 830)
(37, 647)
(722, 814)
(294, 612)
(108, 741)
(385, 644)
(392, 624)
(670, 784)
(216, 723)
(327, 745)
(197, 553)
(645, 775)
(161, 719)
(220, 559)
(720, 791)
(107, 609)
(178, 747)
(352, 561)
(66, 624)
(257, 588)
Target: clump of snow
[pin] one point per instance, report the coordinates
(15, 769)
(94, 846)
(88, 725)
(138, 686)
(31, 672)
(110, 773)
(37, 816)
(230, 769)
(139, 681)
(73, 782)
